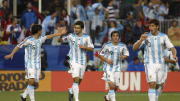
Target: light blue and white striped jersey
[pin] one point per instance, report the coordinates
(154, 48)
(76, 54)
(113, 52)
(32, 51)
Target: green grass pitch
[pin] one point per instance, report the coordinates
(87, 96)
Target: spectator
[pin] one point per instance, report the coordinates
(13, 30)
(100, 7)
(111, 14)
(174, 33)
(149, 11)
(135, 65)
(49, 24)
(162, 11)
(100, 34)
(77, 12)
(89, 10)
(113, 27)
(4, 11)
(96, 21)
(65, 17)
(138, 29)
(124, 8)
(29, 17)
(129, 24)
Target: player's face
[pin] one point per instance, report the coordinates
(115, 38)
(153, 28)
(77, 29)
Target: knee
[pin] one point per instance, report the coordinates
(76, 80)
(31, 82)
(152, 85)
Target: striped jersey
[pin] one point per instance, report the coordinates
(76, 54)
(32, 51)
(154, 48)
(113, 53)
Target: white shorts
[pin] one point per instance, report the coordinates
(112, 77)
(33, 74)
(165, 74)
(155, 73)
(77, 70)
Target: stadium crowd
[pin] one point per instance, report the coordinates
(101, 17)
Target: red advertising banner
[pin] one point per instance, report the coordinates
(130, 82)
(61, 81)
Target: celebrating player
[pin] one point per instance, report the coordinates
(112, 54)
(32, 46)
(79, 44)
(154, 43)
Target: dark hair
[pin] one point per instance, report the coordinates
(114, 33)
(154, 21)
(35, 28)
(80, 23)
(4, 1)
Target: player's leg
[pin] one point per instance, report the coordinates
(112, 86)
(161, 79)
(151, 78)
(31, 88)
(76, 78)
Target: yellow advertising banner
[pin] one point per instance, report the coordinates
(15, 80)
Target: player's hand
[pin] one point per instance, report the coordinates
(10, 56)
(109, 62)
(143, 36)
(82, 47)
(123, 57)
(175, 58)
(62, 31)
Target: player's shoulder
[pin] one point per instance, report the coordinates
(28, 38)
(108, 44)
(85, 35)
(162, 34)
(121, 44)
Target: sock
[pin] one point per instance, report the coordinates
(158, 92)
(70, 90)
(112, 95)
(31, 92)
(24, 95)
(75, 88)
(152, 94)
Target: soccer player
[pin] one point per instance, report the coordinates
(168, 57)
(112, 54)
(154, 43)
(32, 45)
(79, 43)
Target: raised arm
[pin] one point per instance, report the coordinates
(139, 42)
(61, 31)
(11, 55)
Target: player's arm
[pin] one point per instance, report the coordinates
(169, 60)
(61, 31)
(86, 48)
(11, 55)
(174, 53)
(105, 59)
(89, 46)
(125, 53)
(139, 42)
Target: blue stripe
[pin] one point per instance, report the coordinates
(76, 50)
(118, 59)
(146, 54)
(152, 50)
(151, 91)
(112, 57)
(159, 50)
(81, 42)
(30, 57)
(35, 56)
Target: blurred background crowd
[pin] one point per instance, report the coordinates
(101, 17)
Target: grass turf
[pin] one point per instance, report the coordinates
(87, 96)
